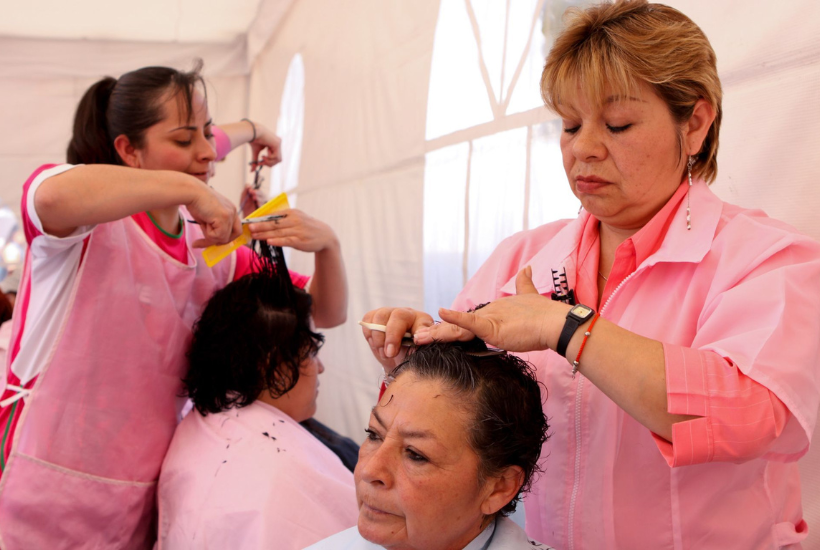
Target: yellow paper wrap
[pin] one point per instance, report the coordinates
(218, 252)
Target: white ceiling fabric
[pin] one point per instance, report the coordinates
(90, 38)
(191, 21)
(366, 135)
(54, 58)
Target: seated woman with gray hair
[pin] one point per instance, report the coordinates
(451, 446)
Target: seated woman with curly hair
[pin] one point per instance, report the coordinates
(241, 472)
(451, 446)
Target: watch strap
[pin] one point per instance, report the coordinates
(574, 320)
(570, 326)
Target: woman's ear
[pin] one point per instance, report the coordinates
(502, 489)
(695, 130)
(127, 152)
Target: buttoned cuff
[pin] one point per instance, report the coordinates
(740, 417)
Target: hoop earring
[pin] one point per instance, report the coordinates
(688, 211)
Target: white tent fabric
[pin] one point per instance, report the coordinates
(421, 144)
(153, 21)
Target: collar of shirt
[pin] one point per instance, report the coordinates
(628, 256)
(174, 246)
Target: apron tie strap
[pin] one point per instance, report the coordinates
(21, 394)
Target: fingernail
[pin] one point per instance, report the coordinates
(390, 351)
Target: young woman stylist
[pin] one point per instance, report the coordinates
(112, 285)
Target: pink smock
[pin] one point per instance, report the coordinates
(101, 411)
(251, 478)
(740, 285)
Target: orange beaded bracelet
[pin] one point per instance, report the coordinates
(577, 362)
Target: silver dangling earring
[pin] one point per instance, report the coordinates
(688, 211)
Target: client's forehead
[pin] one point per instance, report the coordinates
(421, 408)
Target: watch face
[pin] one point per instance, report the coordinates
(581, 311)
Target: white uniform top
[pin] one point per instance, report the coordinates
(503, 534)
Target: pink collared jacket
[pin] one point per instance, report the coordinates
(736, 303)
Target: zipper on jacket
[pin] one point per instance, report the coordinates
(577, 474)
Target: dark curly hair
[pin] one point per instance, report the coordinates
(252, 337)
(501, 393)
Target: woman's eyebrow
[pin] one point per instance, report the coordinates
(614, 98)
(416, 434)
(406, 434)
(376, 415)
(192, 127)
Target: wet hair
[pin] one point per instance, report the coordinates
(6, 308)
(629, 42)
(500, 393)
(127, 106)
(252, 337)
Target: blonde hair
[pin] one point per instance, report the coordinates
(616, 46)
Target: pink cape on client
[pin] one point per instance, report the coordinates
(251, 478)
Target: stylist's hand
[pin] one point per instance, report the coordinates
(524, 322)
(215, 215)
(386, 346)
(296, 230)
(268, 143)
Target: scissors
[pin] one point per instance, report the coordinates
(268, 218)
(246, 221)
(407, 339)
(257, 183)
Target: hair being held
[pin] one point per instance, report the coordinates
(503, 399)
(252, 337)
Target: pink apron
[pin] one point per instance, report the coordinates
(89, 444)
